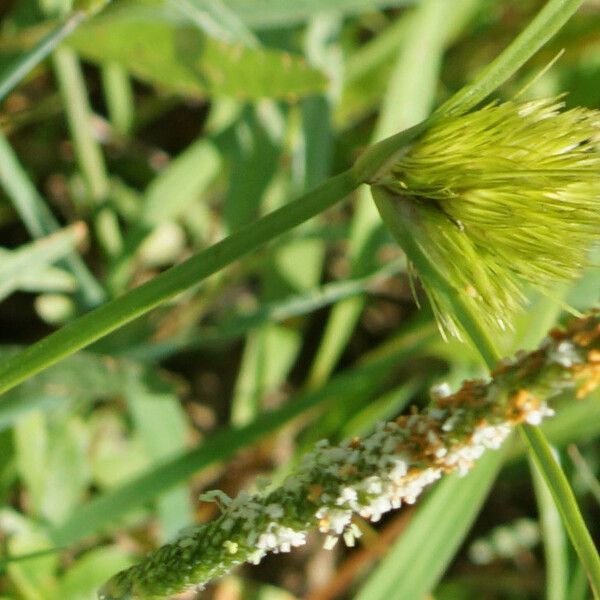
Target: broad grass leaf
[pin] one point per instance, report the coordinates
(262, 14)
(83, 579)
(163, 49)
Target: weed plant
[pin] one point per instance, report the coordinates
(288, 252)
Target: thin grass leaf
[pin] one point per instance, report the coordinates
(30, 260)
(22, 66)
(88, 152)
(183, 181)
(542, 28)
(217, 20)
(271, 350)
(271, 312)
(585, 472)
(554, 538)
(255, 145)
(50, 279)
(118, 92)
(39, 220)
(263, 14)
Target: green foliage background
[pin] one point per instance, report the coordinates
(158, 128)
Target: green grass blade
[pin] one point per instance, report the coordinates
(216, 19)
(271, 312)
(31, 259)
(25, 63)
(78, 111)
(263, 14)
(38, 219)
(555, 542)
(566, 503)
(119, 96)
(380, 49)
(585, 472)
(114, 314)
(579, 588)
(182, 181)
(542, 28)
(50, 279)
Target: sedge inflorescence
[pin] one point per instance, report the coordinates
(505, 195)
(372, 476)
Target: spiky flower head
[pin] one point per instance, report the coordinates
(502, 196)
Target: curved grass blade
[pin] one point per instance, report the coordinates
(16, 72)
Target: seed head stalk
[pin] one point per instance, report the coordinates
(372, 476)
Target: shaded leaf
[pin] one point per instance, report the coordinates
(162, 48)
(84, 578)
(82, 376)
(268, 13)
(20, 266)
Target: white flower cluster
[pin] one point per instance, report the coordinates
(372, 476)
(394, 477)
(367, 477)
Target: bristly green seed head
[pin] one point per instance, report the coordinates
(499, 197)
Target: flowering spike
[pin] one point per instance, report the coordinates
(372, 476)
(498, 197)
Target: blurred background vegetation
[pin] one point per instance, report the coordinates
(161, 126)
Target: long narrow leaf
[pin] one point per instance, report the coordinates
(23, 65)
(31, 259)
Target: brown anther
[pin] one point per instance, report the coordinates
(518, 404)
(401, 421)
(557, 334)
(413, 472)
(585, 337)
(315, 491)
(401, 447)
(501, 369)
(347, 470)
(355, 443)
